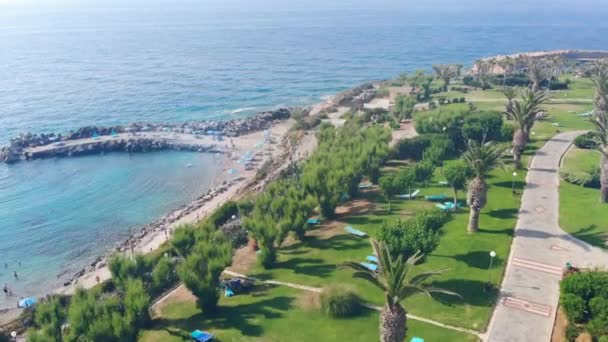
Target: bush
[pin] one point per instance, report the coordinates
(556, 85)
(224, 213)
(587, 179)
(408, 237)
(411, 148)
(267, 257)
(586, 141)
(431, 219)
(603, 339)
(339, 301)
(506, 132)
(471, 81)
(574, 307)
(483, 126)
(571, 332)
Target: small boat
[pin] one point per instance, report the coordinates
(188, 165)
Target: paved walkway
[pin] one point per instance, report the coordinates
(530, 289)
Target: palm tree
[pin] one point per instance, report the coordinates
(483, 158)
(484, 69)
(509, 93)
(599, 76)
(392, 279)
(446, 72)
(537, 71)
(524, 113)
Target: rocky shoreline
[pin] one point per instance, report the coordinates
(21, 147)
(162, 224)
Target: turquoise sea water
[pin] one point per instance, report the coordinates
(59, 214)
(108, 62)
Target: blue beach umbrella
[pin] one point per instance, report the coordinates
(232, 171)
(27, 302)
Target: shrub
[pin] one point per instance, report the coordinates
(339, 301)
(224, 213)
(597, 327)
(586, 141)
(506, 132)
(431, 219)
(483, 126)
(267, 257)
(574, 307)
(408, 237)
(598, 307)
(603, 339)
(571, 332)
(163, 275)
(462, 100)
(411, 148)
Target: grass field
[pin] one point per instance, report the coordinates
(314, 261)
(271, 314)
(581, 213)
(276, 314)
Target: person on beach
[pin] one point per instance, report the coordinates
(5, 289)
(97, 279)
(5, 265)
(15, 275)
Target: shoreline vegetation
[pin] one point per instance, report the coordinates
(294, 141)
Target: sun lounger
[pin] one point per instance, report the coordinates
(410, 196)
(371, 267)
(365, 186)
(201, 336)
(444, 183)
(436, 198)
(313, 221)
(416, 339)
(355, 232)
(228, 292)
(447, 206)
(372, 258)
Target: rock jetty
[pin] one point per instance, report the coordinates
(23, 146)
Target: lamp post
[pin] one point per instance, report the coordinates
(513, 184)
(492, 256)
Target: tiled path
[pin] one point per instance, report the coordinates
(530, 289)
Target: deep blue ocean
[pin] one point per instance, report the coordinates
(66, 67)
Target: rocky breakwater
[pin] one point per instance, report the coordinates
(26, 146)
(130, 145)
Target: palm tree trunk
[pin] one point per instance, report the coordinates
(604, 180)
(477, 197)
(393, 323)
(520, 139)
(473, 221)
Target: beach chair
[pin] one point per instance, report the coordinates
(313, 221)
(436, 198)
(355, 232)
(365, 186)
(201, 336)
(417, 339)
(372, 258)
(447, 206)
(410, 196)
(369, 266)
(228, 292)
(444, 183)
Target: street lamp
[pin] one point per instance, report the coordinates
(492, 256)
(513, 184)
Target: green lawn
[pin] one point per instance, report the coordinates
(581, 213)
(278, 314)
(314, 261)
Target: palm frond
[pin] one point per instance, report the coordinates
(424, 276)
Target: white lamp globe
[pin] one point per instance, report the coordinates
(492, 254)
(13, 334)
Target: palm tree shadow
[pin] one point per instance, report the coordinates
(598, 239)
(472, 292)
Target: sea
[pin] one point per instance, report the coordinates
(68, 64)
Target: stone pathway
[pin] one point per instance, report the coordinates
(529, 294)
